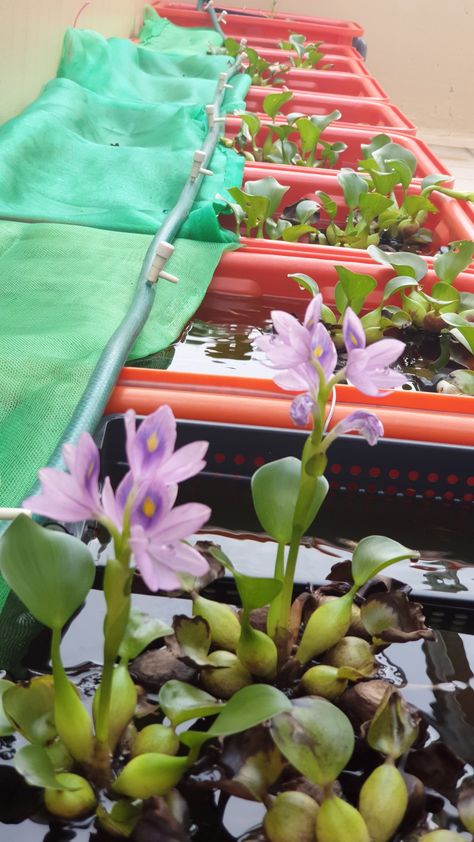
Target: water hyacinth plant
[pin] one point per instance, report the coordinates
(276, 688)
(303, 55)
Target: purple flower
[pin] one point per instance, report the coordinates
(70, 496)
(365, 423)
(301, 409)
(150, 449)
(156, 535)
(295, 346)
(368, 368)
(352, 331)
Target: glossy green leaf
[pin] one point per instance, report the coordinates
(273, 102)
(465, 335)
(305, 210)
(322, 121)
(122, 704)
(121, 819)
(403, 171)
(252, 122)
(50, 572)
(404, 263)
(30, 707)
(430, 180)
(353, 186)
(275, 488)
(384, 182)
(373, 554)
(275, 230)
(306, 282)
(373, 204)
(414, 204)
(141, 630)
(150, 775)
(282, 152)
(450, 264)
(256, 591)
(232, 47)
(256, 208)
(356, 287)
(316, 737)
(294, 234)
(6, 727)
(376, 142)
(34, 764)
(384, 156)
(454, 319)
(328, 204)
(181, 702)
(396, 284)
(309, 134)
(249, 707)
(268, 187)
(446, 292)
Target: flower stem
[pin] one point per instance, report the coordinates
(279, 572)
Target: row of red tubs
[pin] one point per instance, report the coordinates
(261, 268)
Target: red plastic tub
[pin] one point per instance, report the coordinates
(381, 116)
(333, 83)
(428, 163)
(239, 399)
(455, 220)
(267, 28)
(339, 63)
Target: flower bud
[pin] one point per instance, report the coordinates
(383, 801)
(338, 821)
(323, 680)
(352, 652)
(291, 816)
(223, 622)
(230, 676)
(70, 803)
(257, 652)
(158, 739)
(325, 627)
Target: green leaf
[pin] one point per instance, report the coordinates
(356, 287)
(140, 632)
(465, 335)
(385, 155)
(269, 188)
(305, 210)
(30, 707)
(414, 204)
(249, 707)
(394, 728)
(377, 142)
(273, 103)
(306, 282)
(194, 637)
(256, 208)
(121, 819)
(464, 380)
(373, 204)
(322, 121)
(403, 171)
(275, 229)
(384, 182)
(256, 591)
(293, 234)
(6, 727)
(34, 764)
(353, 186)
(309, 134)
(252, 122)
(232, 47)
(446, 292)
(328, 204)
(430, 180)
(50, 572)
(404, 263)
(150, 775)
(316, 737)
(449, 264)
(374, 553)
(454, 319)
(181, 702)
(327, 315)
(396, 284)
(275, 488)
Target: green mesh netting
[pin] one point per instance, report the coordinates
(109, 145)
(157, 33)
(76, 156)
(118, 68)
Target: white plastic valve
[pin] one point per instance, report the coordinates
(163, 253)
(212, 118)
(197, 168)
(208, 5)
(10, 514)
(222, 16)
(222, 84)
(243, 44)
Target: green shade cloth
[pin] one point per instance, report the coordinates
(120, 69)
(76, 156)
(160, 34)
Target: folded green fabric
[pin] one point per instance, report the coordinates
(121, 69)
(160, 34)
(76, 156)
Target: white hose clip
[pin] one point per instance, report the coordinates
(163, 253)
(208, 5)
(222, 17)
(212, 117)
(222, 84)
(10, 514)
(197, 167)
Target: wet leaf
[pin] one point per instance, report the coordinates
(34, 764)
(394, 727)
(451, 263)
(149, 775)
(396, 284)
(316, 737)
(121, 819)
(194, 637)
(249, 707)
(306, 282)
(50, 572)
(374, 553)
(181, 702)
(356, 288)
(142, 629)
(465, 335)
(31, 708)
(404, 263)
(393, 618)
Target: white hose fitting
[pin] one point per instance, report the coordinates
(222, 83)
(222, 17)
(10, 514)
(197, 167)
(212, 117)
(163, 253)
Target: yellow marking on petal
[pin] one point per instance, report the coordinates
(354, 340)
(148, 507)
(318, 351)
(89, 470)
(152, 442)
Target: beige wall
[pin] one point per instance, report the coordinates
(420, 50)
